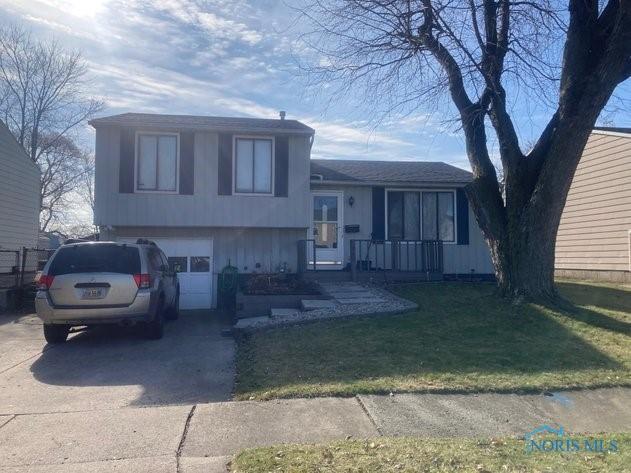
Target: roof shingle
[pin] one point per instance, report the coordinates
(388, 171)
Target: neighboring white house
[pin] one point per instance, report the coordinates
(19, 199)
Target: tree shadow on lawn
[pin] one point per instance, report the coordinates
(583, 297)
(462, 337)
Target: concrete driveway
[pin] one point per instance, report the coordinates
(109, 401)
(113, 367)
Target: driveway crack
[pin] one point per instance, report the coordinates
(11, 417)
(367, 412)
(183, 439)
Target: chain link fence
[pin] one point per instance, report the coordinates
(10, 262)
(18, 268)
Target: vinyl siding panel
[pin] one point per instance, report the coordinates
(472, 258)
(205, 208)
(458, 259)
(19, 199)
(594, 229)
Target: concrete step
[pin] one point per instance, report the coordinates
(249, 322)
(307, 304)
(283, 312)
(361, 300)
(351, 294)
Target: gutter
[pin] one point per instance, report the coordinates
(612, 133)
(171, 127)
(392, 183)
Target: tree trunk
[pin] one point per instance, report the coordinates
(524, 262)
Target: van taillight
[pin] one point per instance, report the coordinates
(44, 282)
(143, 281)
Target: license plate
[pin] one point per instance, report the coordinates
(92, 294)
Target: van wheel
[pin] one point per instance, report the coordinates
(55, 333)
(174, 311)
(154, 330)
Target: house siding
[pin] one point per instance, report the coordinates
(244, 248)
(205, 208)
(458, 259)
(594, 230)
(19, 197)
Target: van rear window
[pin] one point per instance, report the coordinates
(95, 258)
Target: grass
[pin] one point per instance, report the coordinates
(429, 455)
(462, 338)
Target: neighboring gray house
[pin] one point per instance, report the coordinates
(19, 199)
(213, 191)
(594, 236)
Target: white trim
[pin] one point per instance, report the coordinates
(421, 190)
(234, 164)
(177, 162)
(340, 219)
(612, 133)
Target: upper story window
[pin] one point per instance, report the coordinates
(253, 165)
(157, 162)
(426, 215)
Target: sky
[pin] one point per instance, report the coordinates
(236, 58)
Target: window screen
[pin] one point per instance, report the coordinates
(253, 166)
(157, 162)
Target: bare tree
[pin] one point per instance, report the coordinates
(571, 58)
(66, 171)
(86, 186)
(43, 100)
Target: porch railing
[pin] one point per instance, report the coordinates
(415, 256)
(418, 256)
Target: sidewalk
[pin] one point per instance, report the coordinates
(203, 437)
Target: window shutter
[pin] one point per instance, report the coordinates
(462, 209)
(281, 166)
(187, 163)
(224, 171)
(378, 213)
(126, 163)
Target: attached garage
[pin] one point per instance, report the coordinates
(192, 258)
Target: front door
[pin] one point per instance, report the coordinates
(327, 229)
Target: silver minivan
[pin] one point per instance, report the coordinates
(91, 283)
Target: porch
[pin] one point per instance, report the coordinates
(409, 260)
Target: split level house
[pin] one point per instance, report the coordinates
(214, 191)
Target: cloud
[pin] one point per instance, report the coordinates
(221, 58)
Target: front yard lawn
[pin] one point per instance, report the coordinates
(429, 455)
(462, 338)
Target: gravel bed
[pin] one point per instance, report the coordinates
(392, 305)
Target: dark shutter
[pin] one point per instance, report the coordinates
(281, 166)
(187, 163)
(126, 165)
(378, 213)
(462, 209)
(224, 172)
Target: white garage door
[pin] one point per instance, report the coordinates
(192, 259)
